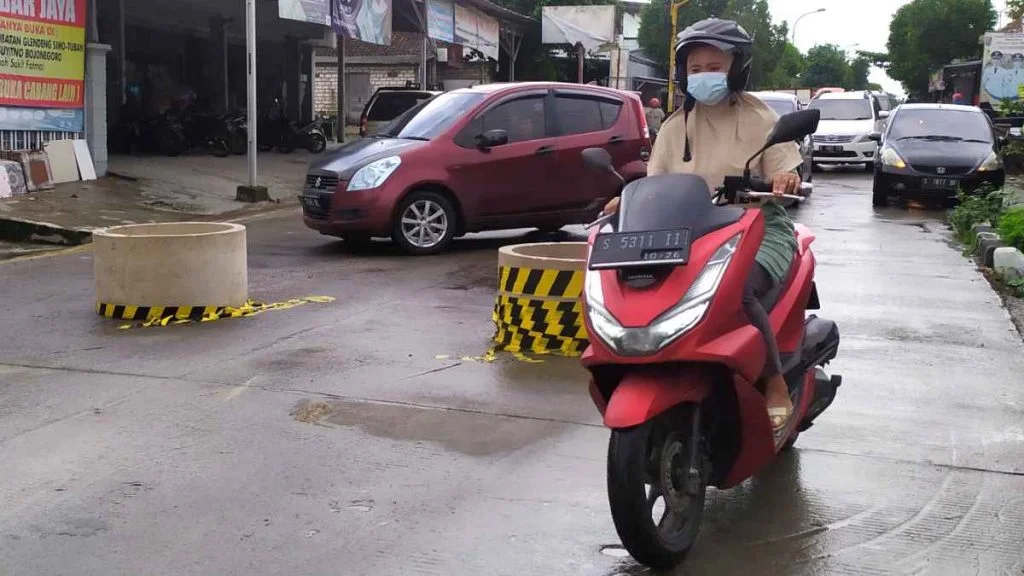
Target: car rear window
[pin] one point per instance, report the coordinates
(951, 124)
(389, 105)
(583, 114)
(859, 109)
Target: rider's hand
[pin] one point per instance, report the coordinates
(611, 206)
(785, 183)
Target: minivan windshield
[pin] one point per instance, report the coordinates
(434, 117)
(859, 109)
(940, 125)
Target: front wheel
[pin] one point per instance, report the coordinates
(656, 497)
(879, 192)
(425, 223)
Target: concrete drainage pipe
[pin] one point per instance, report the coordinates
(539, 308)
(183, 269)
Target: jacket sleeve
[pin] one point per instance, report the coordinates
(781, 158)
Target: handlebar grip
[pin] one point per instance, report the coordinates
(759, 185)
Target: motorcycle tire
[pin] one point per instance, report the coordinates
(647, 456)
(317, 143)
(219, 147)
(286, 147)
(262, 147)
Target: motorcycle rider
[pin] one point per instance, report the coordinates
(654, 115)
(718, 128)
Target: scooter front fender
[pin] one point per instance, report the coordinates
(643, 394)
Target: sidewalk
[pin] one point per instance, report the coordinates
(145, 189)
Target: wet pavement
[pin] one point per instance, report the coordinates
(330, 439)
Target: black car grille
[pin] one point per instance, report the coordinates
(943, 170)
(321, 181)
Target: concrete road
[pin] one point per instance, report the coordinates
(331, 439)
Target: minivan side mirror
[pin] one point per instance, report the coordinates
(491, 138)
(875, 137)
(883, 114)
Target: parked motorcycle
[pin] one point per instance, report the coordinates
(315, 136)
(206, 131)
(162, 134)
(237, 127)
(675, 365)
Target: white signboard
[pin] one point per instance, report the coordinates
(592, 26)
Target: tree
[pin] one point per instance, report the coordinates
(927, 34)
(827, 66)
(1015, 9)
(770, 44)
(859, 70)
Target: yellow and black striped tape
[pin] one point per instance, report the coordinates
(539, 326)
(542, 283)
(164, 315)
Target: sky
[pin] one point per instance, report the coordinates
(849, 24)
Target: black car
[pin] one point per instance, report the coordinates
(932, 151)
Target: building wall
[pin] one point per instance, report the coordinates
(326, 87)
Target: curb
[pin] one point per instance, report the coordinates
(18, 230)
(995, 254)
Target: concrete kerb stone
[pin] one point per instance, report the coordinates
(986, 244)
(1009, 261)
(19, 230)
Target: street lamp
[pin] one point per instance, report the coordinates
(675, 6)
(793, 36)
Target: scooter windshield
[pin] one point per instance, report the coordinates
(673, 201)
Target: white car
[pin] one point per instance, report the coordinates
(844, 134)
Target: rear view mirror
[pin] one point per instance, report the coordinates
(875, 137)
(882, 115)
(492, 138)
(794, 126)
(597, 159)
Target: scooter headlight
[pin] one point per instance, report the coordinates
(671, 325)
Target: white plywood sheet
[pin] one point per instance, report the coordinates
(84, 158)
(63, 161)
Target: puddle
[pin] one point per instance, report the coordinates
(311, 412)
(615, 551)
(474, 434)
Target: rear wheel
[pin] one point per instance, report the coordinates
(656, 499)
(879, 192)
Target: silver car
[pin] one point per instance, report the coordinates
(784, 103)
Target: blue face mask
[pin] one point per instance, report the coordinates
(708, 88)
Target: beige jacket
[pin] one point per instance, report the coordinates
(722, 137)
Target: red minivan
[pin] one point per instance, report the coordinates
(484, 158)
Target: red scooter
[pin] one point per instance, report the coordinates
(675, 365)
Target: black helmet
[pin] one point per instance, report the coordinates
(722, 34)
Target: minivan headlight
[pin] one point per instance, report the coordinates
(891, 158)
(374, 174)
(992, 162)
(672, 324)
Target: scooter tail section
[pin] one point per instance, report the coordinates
(642, 395)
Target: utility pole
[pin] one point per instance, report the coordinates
(675, 6)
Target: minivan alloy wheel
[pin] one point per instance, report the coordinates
(424, 223)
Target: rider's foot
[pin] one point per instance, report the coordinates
(780, 407)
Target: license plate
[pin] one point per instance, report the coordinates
(310, 202)
(628, 249)
(831, 148)
(939, 183)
